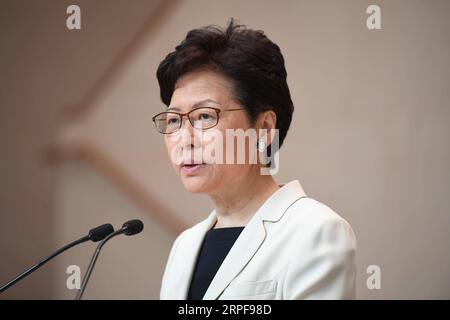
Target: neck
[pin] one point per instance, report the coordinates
(237, 206)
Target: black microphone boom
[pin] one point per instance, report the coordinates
(95, 234)
(129, 228)
(100, 232)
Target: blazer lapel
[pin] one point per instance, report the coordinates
(242, 251)
(252, 237)
(195, 243)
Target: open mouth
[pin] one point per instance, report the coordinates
(191, 167)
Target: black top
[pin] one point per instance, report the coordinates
(216, 245)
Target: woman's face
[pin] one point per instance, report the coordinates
(206, 89)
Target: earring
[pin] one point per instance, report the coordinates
(261, 145)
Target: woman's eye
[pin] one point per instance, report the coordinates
(205, 116)
(172, 120)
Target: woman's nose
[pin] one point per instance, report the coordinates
(186, 126)
(186, 123)
(190, 137)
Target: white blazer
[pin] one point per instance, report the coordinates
(294, 247)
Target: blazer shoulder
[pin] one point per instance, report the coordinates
(319, 221)
(323, 254)
(313, 211)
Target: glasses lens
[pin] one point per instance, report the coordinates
(167, 122)
(203, 118)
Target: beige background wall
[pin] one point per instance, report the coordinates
(79, 149)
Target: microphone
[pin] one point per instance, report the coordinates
(95, 234)
(129, 228)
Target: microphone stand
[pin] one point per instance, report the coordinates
(41, 263)
(94, 260)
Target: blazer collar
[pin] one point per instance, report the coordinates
(277, 204)
(247, 244)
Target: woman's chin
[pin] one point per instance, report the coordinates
(195, 184)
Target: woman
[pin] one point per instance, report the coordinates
(262, 240)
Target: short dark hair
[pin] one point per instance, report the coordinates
(252, 62)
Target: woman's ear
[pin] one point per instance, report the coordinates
(267, 120)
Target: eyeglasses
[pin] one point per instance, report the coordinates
(200, 118)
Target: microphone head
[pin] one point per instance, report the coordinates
(100, 232)
(133, 227)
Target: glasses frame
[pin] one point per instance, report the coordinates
(182, 115)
